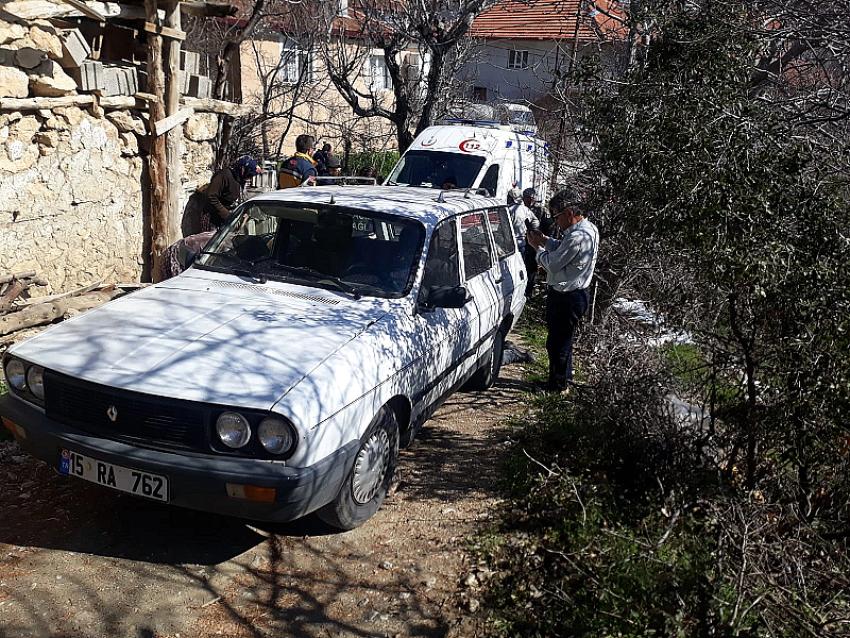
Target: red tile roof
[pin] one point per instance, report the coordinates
(550, 20)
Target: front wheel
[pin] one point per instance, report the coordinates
(364, 489)
(488, 373)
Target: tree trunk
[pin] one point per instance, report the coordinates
(157, 158)
(174, 136)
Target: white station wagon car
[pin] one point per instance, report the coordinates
(280, 373)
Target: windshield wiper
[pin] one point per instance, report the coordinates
(240, 272)
(321, 277)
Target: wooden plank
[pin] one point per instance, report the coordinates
(63, 295)
(36, 103)
(43, 313)
(168, 123)
(166, 32)
(120, 102)
(147, 97)
(210, 105)
(87, 11)
(26, 274)
(12, 292)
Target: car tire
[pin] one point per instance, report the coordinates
(488, 373)
(365, 487)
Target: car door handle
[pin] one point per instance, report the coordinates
(499, 280)
(522, 275)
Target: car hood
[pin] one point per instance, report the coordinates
(200, 343)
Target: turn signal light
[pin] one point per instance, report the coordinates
(251, 492)
(16, 430)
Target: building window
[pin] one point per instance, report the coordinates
(295, 63)
(379, 75)
(517, 59)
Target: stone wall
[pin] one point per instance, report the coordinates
(71, 192)
(72, 180)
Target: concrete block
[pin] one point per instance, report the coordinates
(89, 76)
(75, 49)
(111, 84)
(190, 62)
(199, 86)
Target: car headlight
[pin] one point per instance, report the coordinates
(233, 430)
(16, 374)
(35, 381)
(275, 435)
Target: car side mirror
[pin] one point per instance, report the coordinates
(447, 297)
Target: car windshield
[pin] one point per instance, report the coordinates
(353, 251)
(436, 169)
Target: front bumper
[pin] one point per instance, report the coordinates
(196, 481)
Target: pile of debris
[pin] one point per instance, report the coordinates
(18, 311)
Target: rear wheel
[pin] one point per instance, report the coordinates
(366, 485)
(488, 373)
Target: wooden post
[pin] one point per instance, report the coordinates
(174, 136)
(157, 160)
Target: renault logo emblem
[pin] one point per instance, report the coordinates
(112, 413)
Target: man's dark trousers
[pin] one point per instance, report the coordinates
(563, 312)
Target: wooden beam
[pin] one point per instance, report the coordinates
(168, 123)
(209, 105)
(166, 32)
(157, 160)
(147, 97)
(87, 11)
(121, 102)
(36, 103)
(173, 85)
(35, 9)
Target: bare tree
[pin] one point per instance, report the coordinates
(421, 44)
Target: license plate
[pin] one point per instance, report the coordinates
(123, 479)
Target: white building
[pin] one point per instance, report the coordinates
(524, 44)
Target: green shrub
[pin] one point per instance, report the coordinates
(382, 161)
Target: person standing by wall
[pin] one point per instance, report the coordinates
(209, 206)
(569, 264)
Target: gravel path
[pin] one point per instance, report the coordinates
(78, 560)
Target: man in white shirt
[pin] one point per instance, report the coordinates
(569, 264)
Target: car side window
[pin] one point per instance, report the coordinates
(442, 269)
(491, 180)
(503, 233)
(477, 256)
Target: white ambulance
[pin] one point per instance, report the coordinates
(475, 154)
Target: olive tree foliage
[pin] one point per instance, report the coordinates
(723, 149)
(435, 30)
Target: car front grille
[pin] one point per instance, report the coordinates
(138, 418)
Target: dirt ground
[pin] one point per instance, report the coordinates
(77, 560)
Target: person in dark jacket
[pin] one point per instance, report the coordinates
(209, 206)
(323, 158)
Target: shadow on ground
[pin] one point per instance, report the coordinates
(146, 569)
